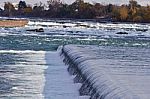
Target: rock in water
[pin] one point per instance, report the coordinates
(36, 30)
(121, 33)
(40, 30)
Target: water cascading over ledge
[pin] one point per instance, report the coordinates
(83, 61)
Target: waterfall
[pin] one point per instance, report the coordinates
(95, 81)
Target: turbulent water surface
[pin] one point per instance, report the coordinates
(25, 69)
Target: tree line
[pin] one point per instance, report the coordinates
(132, 12)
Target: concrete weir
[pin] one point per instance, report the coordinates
(99, 78)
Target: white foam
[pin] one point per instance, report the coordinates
(21, 51)
(36, 23)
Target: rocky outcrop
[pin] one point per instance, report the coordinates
(36, 30)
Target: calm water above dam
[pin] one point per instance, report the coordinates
(26, 67)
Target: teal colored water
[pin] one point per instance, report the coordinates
(23, 53)
(61, 32)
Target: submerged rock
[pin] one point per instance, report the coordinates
(121, 33)
(36, 30)
(142, 30)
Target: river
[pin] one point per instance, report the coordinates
(30, 66)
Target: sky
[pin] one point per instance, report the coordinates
(118, 2)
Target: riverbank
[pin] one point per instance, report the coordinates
(13, 23)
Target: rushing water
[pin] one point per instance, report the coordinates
(22, 74)
(108, 72)
(23, 62)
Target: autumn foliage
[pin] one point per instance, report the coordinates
(133, 12)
